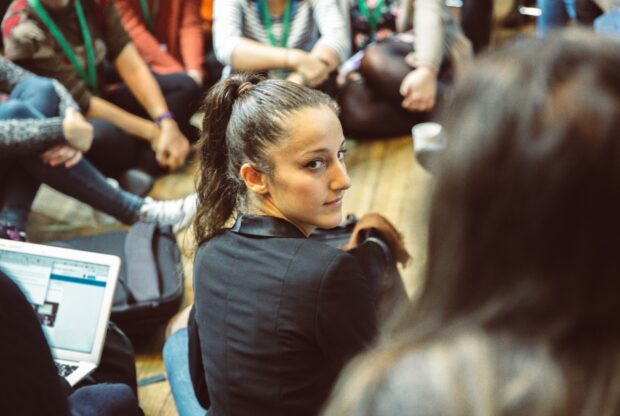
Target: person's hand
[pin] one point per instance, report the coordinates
(296, 78)
(28, 31)
(196, 75)
(62, 154)
(77, 131)
(389, 234)
(171, 147)
(310, 67)
(419, 89)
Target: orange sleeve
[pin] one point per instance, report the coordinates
(206, 12)
(192, 35)
(147, 45)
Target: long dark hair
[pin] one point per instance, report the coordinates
(244, 115)
(524, 229)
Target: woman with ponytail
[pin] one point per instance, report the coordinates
(276, 314)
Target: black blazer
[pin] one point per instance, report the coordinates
(276, 316)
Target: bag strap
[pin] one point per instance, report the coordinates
(141, 265)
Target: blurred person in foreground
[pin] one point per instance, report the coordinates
(519, 313)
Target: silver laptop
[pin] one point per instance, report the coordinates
(71, 292)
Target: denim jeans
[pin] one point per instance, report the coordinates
(175, 353)
(35, 98)
(555, 14)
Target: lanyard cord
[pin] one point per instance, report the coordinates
(146, 14)
(373, 19)
(91, 77)
(286, 23)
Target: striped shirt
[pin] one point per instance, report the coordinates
(314, 22)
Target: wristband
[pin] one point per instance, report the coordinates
(163, 116)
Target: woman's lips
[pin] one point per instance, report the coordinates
(334, 202)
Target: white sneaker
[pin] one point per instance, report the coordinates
(177, 212)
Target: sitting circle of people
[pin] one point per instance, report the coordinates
(515, 314)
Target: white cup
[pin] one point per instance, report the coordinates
(427, 141)
(427, 134)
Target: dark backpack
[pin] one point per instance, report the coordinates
(151, 282)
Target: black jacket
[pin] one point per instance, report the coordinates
(276, 316)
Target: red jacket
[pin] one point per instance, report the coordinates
(178, 26)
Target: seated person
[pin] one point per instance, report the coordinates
(168, 34)
(42, 137)
(47, 38)
(394, 80)
(32, 385)
(519, 313)
(276, 315)
(280, 37)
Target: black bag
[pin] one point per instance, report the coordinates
(374, 257)
(151, 281)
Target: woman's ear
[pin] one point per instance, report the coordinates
(255, 180)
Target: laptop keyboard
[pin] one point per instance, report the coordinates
(65, 369)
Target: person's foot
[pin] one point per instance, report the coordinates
(10, 232)
(136, 181)
(178, 212)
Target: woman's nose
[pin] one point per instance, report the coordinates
(341, 180)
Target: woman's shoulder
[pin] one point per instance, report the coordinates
(456, 374)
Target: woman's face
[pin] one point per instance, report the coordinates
(309, 177)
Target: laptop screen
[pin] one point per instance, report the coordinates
(66, 295)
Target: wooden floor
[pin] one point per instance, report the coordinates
(386, 178)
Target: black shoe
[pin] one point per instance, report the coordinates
(136, 181)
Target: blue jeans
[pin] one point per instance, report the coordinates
(555, 14)
(175, 353)
(35, 98)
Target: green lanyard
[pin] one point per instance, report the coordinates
(91, 77)
(286, 23)
(373, 18)
(146, 14)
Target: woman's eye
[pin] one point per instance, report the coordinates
(341, 154)
(315, 164)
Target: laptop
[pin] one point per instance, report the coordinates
(71, 292)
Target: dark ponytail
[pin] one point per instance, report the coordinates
(243, 115)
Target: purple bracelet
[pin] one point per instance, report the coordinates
(163, 116)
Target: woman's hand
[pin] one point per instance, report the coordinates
(419, 89)
(389, 234)
(62, 154)
(311, 68)
(171, 147)
(77, 131)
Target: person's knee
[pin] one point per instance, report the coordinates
(42, 85)
(354, 114)
(372, 61)
(104, 399)
(17, 109)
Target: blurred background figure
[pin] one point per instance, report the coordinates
(303, 41)
(168, 34)
(71, 42)
(407, 52)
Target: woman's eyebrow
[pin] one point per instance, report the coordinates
(323, 149)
